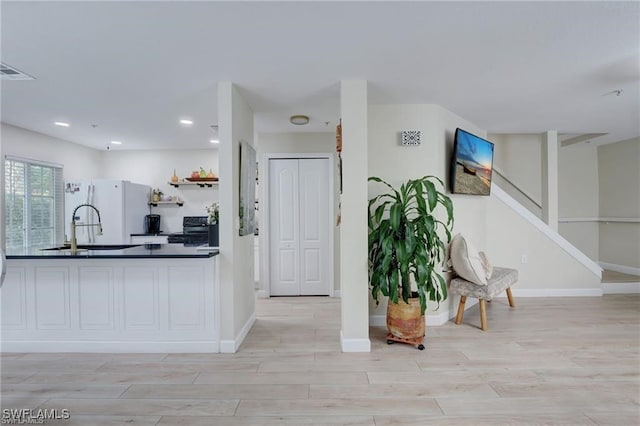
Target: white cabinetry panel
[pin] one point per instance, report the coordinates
(52, 298)
(14, 300)
(140, 298)
(95, 297)
(106, 305)
(186, 298)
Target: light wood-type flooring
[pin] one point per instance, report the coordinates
(549, 361)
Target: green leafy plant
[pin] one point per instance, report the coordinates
(405, 242)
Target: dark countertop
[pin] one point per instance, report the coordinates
(143, 251)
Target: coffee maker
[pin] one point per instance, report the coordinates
(152, 224)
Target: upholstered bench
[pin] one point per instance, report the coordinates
(477, 278)
(502, 279)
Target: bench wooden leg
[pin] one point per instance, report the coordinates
(483, 315)
(510, 297)
(463, 300)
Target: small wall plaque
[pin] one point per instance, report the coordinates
(411, 137)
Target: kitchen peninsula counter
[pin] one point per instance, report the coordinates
(158, 298)
(143, 251)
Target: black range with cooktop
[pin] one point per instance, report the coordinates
(195, 232)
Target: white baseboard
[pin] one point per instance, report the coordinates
(109, 347)
(621, 288)
(377, 320)
(554, 292)
(261, 294)
(620, 268)
(437, 318)
(231, 346)
(337, 294)
(354, 345)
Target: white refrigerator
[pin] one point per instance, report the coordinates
(122, 206)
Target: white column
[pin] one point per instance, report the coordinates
(550, 179)
(354, 335)
(237, 299)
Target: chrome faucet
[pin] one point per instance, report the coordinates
(74, 241)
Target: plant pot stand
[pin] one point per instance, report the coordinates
(415, 342)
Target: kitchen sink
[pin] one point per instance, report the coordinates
(96, 247)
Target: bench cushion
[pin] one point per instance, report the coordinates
(501, 279)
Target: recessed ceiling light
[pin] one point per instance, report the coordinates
(299, 120)
(214, 141)
(186, 122)
(116, 142)
(61, 123)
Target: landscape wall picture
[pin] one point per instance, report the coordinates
(473, 164)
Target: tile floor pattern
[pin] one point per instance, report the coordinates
(551, 361)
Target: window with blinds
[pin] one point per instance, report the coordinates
(34, 203)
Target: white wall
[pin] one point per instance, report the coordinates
(519, 158)
(490, 225)
(235, 121)
(79, 162)
(297, 143)
(578, 197)
(549, 270)
(619, 178)
(155, 168)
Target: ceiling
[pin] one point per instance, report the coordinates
(129, 71)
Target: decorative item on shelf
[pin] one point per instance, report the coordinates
(407, 240)
(156, 195)
(174, 178)
(202, 176)
(213, 213)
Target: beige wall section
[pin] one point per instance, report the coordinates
(578, 197)
(549, 271)
(155, 168)
(395, 163)
(235, 121)
(79, 162)
(619, 173)
(519, 158)
(299, 143)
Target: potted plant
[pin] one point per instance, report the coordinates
(213, 213)
(406, 248)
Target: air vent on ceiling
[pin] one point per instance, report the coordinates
(10, 73)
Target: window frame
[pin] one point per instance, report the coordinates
(56, 196)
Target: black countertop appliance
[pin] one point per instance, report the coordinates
(195, 232)
(152, 224)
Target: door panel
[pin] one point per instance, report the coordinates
(299, 227)
(284, 227)
(314, 223)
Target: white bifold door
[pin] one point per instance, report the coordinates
(299, 227)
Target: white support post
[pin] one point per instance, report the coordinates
(354, 335)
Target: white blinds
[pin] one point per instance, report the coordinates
(34, 203)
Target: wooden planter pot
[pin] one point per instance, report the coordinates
(405, 323)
